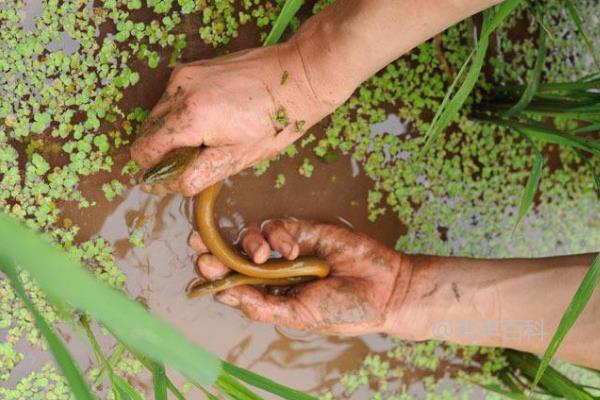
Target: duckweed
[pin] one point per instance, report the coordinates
(64, 81)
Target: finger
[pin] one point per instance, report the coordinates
(324, 240)
(196, 243)
(280, 239)
(160, 135)
(255, 245)
(168, 102)
(211, 165)
(278, 310)
(210, 267)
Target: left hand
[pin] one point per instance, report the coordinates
(361, 295)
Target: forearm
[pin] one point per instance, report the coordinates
(515, 303)
(352, 39)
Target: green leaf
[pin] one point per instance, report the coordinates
(124, 390)
(64, 279)
(510, 395)
(264, 383)
(63, 359)
(534, 79)
(288, 11)
(574, 14)
(532, 184)
(159, 379)
(452, 103)
(577, 305)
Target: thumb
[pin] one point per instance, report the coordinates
(263, 307)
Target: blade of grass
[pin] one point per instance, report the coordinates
(452, 103)
(63, 359)
(578, 303)
(159, 379)
(534, 79)
(544, 134)
(503, 10)
(124, 390)
(121, 388)
(234, 389)
(64, 279)
(574, 14)
(288, 11)
(532, 183)
(264, 383)
(450, 108)
(173, 389)
(509, 395)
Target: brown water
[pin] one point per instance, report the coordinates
(159, 271)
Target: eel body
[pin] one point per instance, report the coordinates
(278, 272)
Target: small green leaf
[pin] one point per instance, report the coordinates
(159, 379)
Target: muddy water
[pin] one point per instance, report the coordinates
(159, 271)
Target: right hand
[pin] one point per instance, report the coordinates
(230, 106)
(363, 293)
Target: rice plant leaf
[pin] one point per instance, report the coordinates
(159, 379)
(173, 389)
(63, 359)
(574, 14)
(531, 186)
(452, 103)
(64, 279)
(264, 383)
(503, 10)
(578, 303)
(234, 389)
(584, 129)
(534, 79)
(509, 395)
(124, 390)
(288, 11)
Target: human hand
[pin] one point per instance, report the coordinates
(362, 294)
(242, 108)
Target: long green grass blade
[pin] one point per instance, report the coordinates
(124, 390)
(509, 395)
(544, 134)
(63, 359)
(173, 389)
(534, 79)
(159, 380)
(449, 109)
(531, 186)
(574, 14)
(288, 11)
(121, 388)
(234, 389)
(264, 383)
(584, 129)
(578, 303)
(64, 279)
(452, 103)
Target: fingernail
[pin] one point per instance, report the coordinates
(227, 299)
(254, 246)
(286, 248)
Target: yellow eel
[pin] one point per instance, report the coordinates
(276, 272)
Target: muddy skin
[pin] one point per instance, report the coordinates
(271, 273)
(274, 272)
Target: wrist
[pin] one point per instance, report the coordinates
(322, 49)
